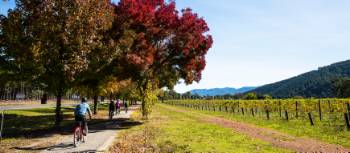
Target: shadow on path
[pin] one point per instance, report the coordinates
(94, 128)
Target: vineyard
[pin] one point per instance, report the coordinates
(334, 113)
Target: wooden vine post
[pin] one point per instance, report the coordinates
(319, 110)
(280, 108)
(296, 109)
(267, 114)
(310, 118)
(348, 109)
(267, 111)
(346, 117)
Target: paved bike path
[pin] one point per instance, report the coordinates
(99, 138)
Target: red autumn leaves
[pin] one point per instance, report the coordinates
(164, 39)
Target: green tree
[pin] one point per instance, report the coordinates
(266, 96)
(250, 96)
(17, 64)
(187, 95)
(342, 88)
(58, 37)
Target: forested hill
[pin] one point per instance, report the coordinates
(317, 83)
(220, 91)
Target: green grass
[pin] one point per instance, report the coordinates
(299, 127)
(27, 123)
(172, 131)
(38, 111)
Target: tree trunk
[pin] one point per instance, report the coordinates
(143, 108)
(13, 94)
(44, 99)
(143, 103)
(58, 109)
(95, 104)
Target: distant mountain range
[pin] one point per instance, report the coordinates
(317, 83)
(220, 91)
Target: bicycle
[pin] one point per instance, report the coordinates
(78, 133)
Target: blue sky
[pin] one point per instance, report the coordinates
(263, 41)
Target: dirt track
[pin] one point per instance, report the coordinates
(276, 138)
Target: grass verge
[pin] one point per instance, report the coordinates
(170, 131)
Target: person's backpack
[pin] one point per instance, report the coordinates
(77, 109)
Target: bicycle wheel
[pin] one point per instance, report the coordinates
(84, 132)
(83, 135)
(77, 135)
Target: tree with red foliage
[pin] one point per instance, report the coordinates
(164, 45)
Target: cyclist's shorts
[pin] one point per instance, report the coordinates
(80, 118)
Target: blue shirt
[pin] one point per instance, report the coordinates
(82, 109)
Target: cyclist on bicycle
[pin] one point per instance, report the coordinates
(80, 113)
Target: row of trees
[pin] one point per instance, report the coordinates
(98, 48)
(171, 95)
